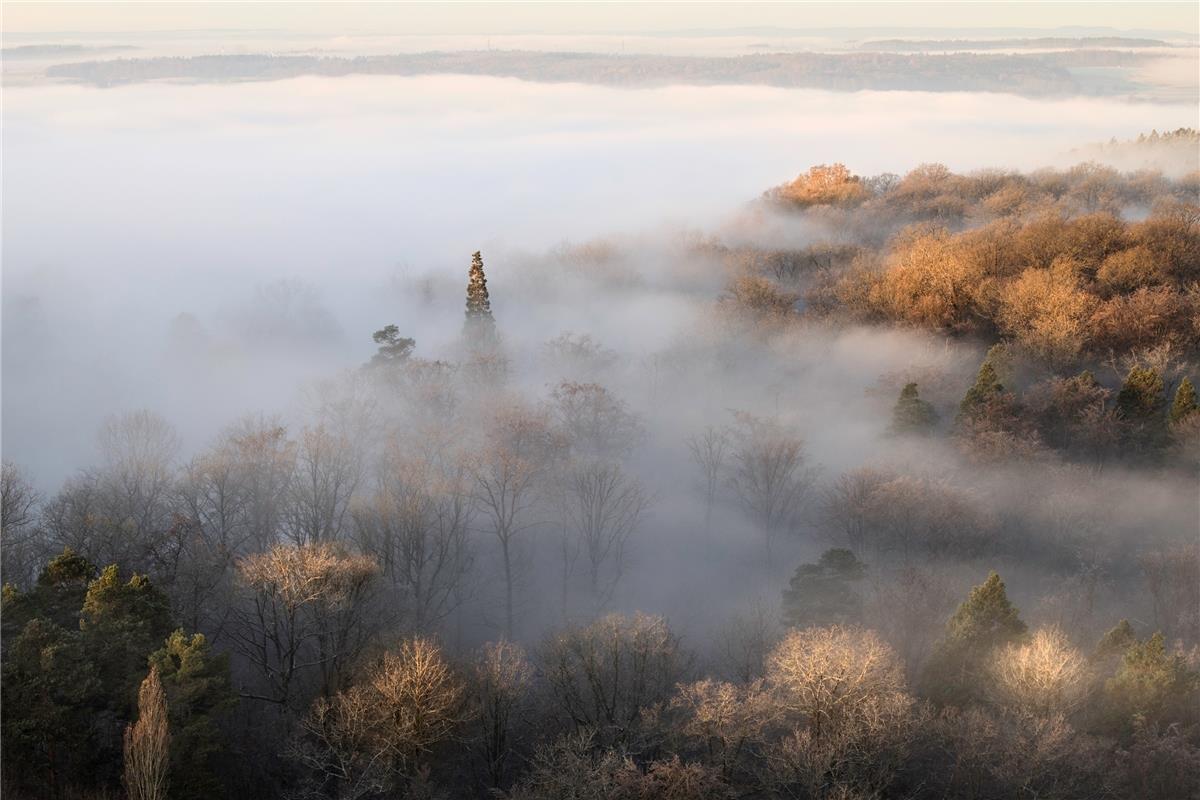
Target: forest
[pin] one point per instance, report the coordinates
(902, 503)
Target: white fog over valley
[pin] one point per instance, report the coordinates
(748, 344)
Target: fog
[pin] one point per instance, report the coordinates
(124, 208)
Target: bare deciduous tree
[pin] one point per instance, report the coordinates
(416, 526)
(604, 674)
(508, 476)
(708, 451)
(500, 689)
(601, 506)
(306, 610)
(328, 470)
(148, 743)
(596, 422)
(18, 501)
(769, 475)
(374, 736)
(1044, 676)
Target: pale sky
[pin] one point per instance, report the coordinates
(595, 18)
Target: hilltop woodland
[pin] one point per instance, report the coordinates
(423, 591)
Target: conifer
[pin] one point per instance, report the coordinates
(479, 323)
(1185, 402)
(911, 414)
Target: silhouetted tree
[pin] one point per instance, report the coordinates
(823, 593)
(911, 414)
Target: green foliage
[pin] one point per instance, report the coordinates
(57, 595)
(393, 348)
(986, 388)
(824, 593)
(1141, 395)
(1152, 685)
(70, 675)
(985, 620)
(50, 696)
(198, 697)
(911, 414)
(1185, 403)
(122, 623)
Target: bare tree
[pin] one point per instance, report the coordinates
(1044, 676)
(500, 689)
(601, 506)
(328, 470)
(508, 475)
(18, 504)
(851, 717)
(746, 639)
(148, 743)
(306, 610)
(730, 721)
(374, 736)
(596, 422)
(604, 674)
(416, 526)
(708, 452)
(769, 475)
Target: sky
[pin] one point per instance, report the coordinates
(500, 18)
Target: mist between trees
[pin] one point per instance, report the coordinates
(886, 488)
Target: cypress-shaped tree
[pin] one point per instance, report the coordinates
(1185, 403)
(911, 414)
(479, 324)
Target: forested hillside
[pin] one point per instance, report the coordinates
(898, 501)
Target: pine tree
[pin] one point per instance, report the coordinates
(1141, 395)
(393, 348)
(1185, 402)
(198, 692)
(985, 620)
(911, 414)
(479, 324)
(986, 388)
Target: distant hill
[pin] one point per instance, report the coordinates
(1042, 43)
(1036, 74)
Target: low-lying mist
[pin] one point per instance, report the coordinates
(287, 221)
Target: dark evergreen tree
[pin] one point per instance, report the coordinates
(479, 325)
(911, 414)
(984, 621)
(1185, 403)
(986, 388)
(824, 593)
(1141, 396)
(198, 697)
(1116, 640)
(1141, 408)
(393, 348)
